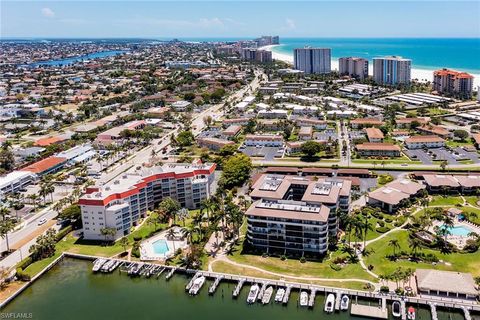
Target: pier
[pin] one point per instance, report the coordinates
(433, 311)
(170, 273)
(262, 291)
(378, 311)
(239, 286)
(403, 309)
(338, 298)
(368, 311)
(287, 294)
(311, 299)
(190, 283)
(214, 285)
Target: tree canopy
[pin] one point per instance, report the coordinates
(311, 148)
(236, 170)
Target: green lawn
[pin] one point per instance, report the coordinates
(462, 262)
(294, 267)
(446, 201)
(472, 200)
(454, 144)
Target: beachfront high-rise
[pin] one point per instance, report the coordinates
(453, 83)
(312, 60)
(392, 70)
(353, 67)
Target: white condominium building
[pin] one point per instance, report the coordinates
(392, 70)
(312, 60)
(120, 203)
(354, 67)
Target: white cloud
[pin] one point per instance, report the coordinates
(203, 23)
(290, 24)
(47, 12)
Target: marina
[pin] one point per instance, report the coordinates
(306, 295)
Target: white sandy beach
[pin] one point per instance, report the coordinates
(420, 74)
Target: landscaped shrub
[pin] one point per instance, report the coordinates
(22, 275)
(137, 238)
(62, 233)
(384, 289)
(335, 267)
(377, 215)
(388, 220)
(400, 220)
(25, 263)
(382, 229)
(303, 260)
(136, 249)
(283, 257)
(381, 223)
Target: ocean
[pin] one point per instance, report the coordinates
(460, 54)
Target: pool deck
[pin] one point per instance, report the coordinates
(147, 252)
(458, 240)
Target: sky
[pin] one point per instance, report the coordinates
(239, 19)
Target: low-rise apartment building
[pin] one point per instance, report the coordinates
(266, 140)
(437, 183)
(365, 122)
(305, 133)
(405, 123)
(435, 130)
(421, 142)
(374, 134)
(390, 196)
(316, 123)
(214, 143)
(15, 181)
(121, 203)
(378, 149)
(231, 132)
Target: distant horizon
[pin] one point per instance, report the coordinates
(239, 38)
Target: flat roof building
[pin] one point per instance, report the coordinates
(392, 70)
(446, 284)
(453, 83)
(312, 60)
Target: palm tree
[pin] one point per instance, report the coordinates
(207, 205)
(171, 235)
(6, 225)
(33, 197)
(124, 243)
(394, 244)
(414, 245)
(188, 232)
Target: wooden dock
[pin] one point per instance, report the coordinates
(338, 298)
(238, 288)
(368, 311)
(287, 294)
(170, 273)
(262, 291)
(311, 299)
(467, 313)
(403, 308)
(190, 283)
(214, 285)
(433, 311)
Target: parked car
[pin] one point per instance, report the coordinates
(41, 221)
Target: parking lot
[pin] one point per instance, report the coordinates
(268, 153)
(451, 156)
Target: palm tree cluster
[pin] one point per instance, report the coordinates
(45, 245)
(399, 275)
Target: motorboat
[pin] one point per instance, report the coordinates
(396, 309)
(97, 265)
(267, 295)
(197, 285)
(303, 299)
(106, 267)
(252, 295)
(279, 295)
(330, 303)
(411, 313)
(344, 302)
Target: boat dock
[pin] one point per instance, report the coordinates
(311, 299)
(403, 309)
(262, 291)
(239, 286)
(374, 310)
(214, 285)
(190, 283)
(287, 294)
(338, 298)
(170, 273)
(368, 311)
(433, 311)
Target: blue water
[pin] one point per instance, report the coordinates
(458, 230)
(160, 246)
(431, 54)
(69, 61)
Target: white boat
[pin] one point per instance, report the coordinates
(197, 285)
(396, 309)
(279, 295)
(330, 303)
(107, 265)
(267, 295)
(411, 313)
(114, 266)
(97, 265)
(252, 295)
(303, 299)
(344, 302)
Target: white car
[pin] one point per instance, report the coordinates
(42, 221)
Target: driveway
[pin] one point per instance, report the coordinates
(420, 155)
(467, 155)
(443, 154)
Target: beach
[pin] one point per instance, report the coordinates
(423, 75)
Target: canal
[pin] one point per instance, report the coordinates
(72, 60)
(71, 291)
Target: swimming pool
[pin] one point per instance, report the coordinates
(458, 230)
(160, 246)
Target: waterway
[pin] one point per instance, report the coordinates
(71, 291)
(72, 60)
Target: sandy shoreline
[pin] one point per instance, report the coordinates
(420, 74)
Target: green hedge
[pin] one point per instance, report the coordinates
(382, 229)
(62, 233)
(22, 275)
(25, 263)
